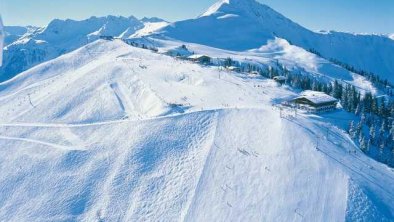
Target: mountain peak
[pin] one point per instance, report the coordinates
(225, 6)
(152, 19)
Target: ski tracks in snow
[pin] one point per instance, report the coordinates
(52, 145)
(124, 100)
(182, 177)
(351, 162)
(207, 161)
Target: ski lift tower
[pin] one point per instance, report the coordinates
(2, 34)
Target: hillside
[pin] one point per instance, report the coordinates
(246, 24)
(61, 36)
(277, 52)
(236, 25)
(140, 136)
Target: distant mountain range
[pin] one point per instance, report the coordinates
(29, 46)
(229, 24)
(13, 33)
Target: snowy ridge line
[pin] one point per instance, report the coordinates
(203, 172)
(349, 141)
(74, 125)
(342, 162)
(329, 78)
(60, 147)
(356, 172)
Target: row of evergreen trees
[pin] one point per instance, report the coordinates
(374, 130)
(375, 79)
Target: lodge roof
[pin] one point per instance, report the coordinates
(198, 56)
(316, 97)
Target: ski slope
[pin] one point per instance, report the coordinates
(110, 132)
(275, 51)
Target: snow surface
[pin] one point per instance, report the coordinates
(226, 25)
(278, 50)
(38, 45)
(149, 28)
(240, 25)
(140, 136)
(13, 33)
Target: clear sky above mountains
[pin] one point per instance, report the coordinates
(350, 15)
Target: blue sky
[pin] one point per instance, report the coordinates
(375, 16)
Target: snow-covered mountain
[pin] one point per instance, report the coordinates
(152, 20)
(229, 24)
(104, 130)
(62, 36)
(111, 132)
(246, 24)
(13, 33)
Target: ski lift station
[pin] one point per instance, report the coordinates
(314, 102)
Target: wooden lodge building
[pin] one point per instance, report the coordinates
(202, 59)
(315, 102)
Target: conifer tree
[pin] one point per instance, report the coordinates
(352, 130)
(363, 144)
(372, 134)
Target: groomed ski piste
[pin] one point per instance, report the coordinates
(111, 132)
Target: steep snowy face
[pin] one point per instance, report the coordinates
(150, 26)
(152, 19)
(115, 26)
(231, 24)
(13, 33)
(246, 24)
(244, 7)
